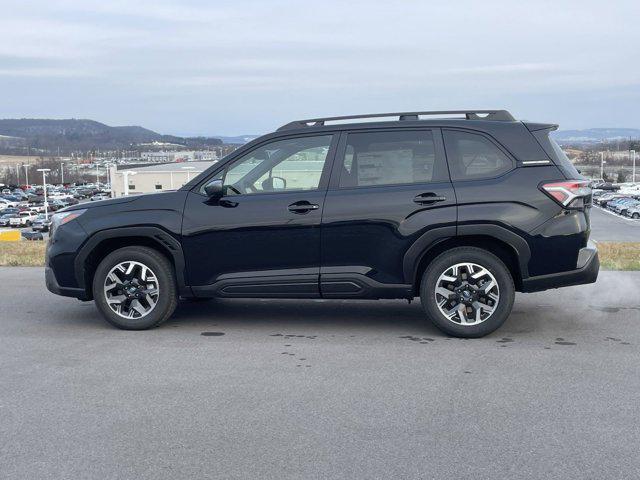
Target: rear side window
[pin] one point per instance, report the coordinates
(391, 158)
(564, 161)
(472, 156)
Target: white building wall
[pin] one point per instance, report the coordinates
(148, 182)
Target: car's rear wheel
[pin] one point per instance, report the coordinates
(636, 216)
(467, 292)
(135, 288)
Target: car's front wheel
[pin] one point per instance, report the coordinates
(467, 292)
(135, 288)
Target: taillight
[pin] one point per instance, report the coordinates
(569, 194)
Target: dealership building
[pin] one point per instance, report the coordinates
(135, 180)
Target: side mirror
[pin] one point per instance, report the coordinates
(274, 183)
(214, 189)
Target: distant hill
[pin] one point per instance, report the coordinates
(84, 135)
(595, 135)
(238, 139)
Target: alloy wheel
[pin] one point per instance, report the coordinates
(467, 294)
(131, 289)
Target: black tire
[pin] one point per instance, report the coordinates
(467, 255)
(163, 270)
(635, 216)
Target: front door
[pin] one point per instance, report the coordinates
(388, 188)
(262, 238)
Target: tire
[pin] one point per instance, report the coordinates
(159, 275)
(635, 216)
(442, 268)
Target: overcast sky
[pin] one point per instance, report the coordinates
(207, 67)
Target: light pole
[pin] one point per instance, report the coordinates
(44, 187)
(109, 165)
(633, 174)
(125, 178)
(26, 174)
(188, 169)
(61, 171)
(97, 174)
(602, 162)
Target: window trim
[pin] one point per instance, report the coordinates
(242, 152)
(498, 145)
(438, 142)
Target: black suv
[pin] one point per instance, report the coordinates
(462, 212)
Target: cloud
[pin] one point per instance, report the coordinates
(516, 68)
(245, 65)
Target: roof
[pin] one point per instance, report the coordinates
(193, 167)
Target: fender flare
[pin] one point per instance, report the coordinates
(431, 238)
(156, 234)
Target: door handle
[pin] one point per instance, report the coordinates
(428, 198)
(303, 207)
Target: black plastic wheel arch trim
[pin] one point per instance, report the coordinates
(155, 234)
(432, 238)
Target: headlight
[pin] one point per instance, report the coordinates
(61, 218)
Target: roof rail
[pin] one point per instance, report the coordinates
(495, 115)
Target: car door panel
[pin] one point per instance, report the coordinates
(256, 244)
(368, 230)
(257, 233)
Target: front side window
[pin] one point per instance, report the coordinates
(280, 166)
(390, 158)
(472, 156)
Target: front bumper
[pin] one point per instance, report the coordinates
(588, 266)
(54, 287)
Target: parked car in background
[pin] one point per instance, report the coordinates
(10, 210)
(55, 205)
(100, 196)
(605, 186)
(4, 202)
(634, 211)
(41, 223)
(32, 235)
(603, 200)
(615, 204)
(623, 206)
(23, 219)
(6, 218)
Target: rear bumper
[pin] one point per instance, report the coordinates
(587, 272)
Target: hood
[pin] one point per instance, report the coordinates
(99, 203)
(153, 197)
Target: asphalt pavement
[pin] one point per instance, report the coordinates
(607, 226)
(243, 389)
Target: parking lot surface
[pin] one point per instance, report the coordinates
(607, 226)
(320, 389)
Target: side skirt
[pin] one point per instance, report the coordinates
(334, 285)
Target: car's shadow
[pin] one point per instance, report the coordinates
(287, 316)
(291, 314)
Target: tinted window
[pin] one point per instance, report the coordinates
(387, 158)
(473, 156)
(283, 165)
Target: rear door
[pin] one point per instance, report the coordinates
(387, 189)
